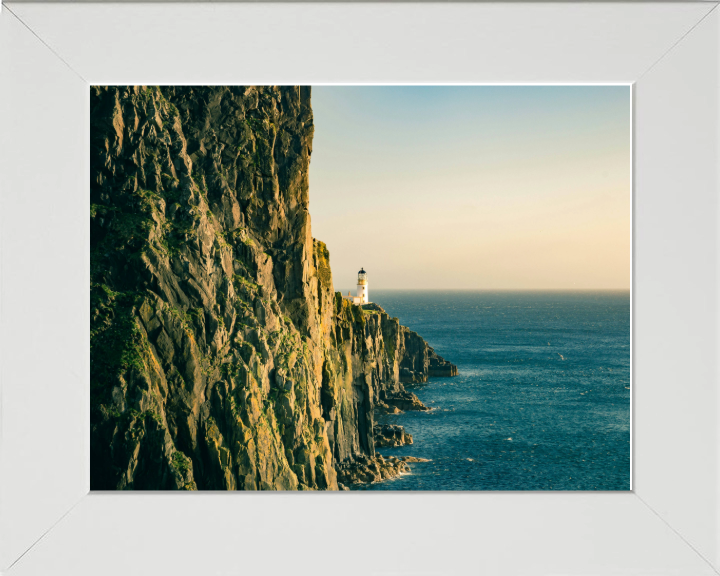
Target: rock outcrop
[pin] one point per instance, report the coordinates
(389, 435)
(221, 357)
(420, 361)
(367, 470)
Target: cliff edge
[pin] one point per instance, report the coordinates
(221, 357)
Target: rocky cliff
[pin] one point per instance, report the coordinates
(221, 357)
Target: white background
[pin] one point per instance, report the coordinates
(51, 53)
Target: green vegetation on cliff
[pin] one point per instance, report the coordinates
(221, 357)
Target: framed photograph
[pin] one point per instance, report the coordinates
(196, 336)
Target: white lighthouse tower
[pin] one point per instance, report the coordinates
(362, 287)
(362, 290)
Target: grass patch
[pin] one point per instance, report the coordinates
(322, 262)
(180, 462)
(117, 345)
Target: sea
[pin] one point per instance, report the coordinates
(542, 399)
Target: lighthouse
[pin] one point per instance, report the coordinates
(362, 290)
(362, 286)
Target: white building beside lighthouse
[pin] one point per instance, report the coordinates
(362, 289)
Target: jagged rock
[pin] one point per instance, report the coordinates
(414, 459)
(371, 470)
(221, 357)
(382, 408)
(439, 366)
(420, 361)
(406, 401)
(389, 435)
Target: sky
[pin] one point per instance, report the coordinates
(473, 187)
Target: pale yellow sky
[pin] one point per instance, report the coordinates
(474, 187)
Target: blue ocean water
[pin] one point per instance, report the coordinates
(542, 399)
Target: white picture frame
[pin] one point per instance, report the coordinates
(49, 522)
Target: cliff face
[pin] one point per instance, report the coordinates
(221, 357)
